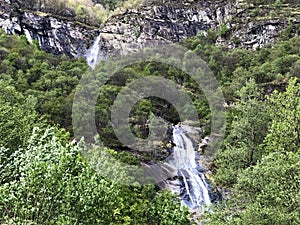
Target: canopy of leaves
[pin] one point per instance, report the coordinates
(52, 184)
(50, 80)
(284, 133)
(267, 193)
(241, 147)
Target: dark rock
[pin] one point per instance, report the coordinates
(54, 35)
(158, 22)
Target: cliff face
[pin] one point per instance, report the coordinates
(240, 26)
(252, 27)
(58, 36)
(155, 24)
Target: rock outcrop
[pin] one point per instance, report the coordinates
(163, 23)
(158, 22)
(58, 36)
(239, 25)
(256, 27)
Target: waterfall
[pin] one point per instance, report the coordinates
(28, 35)
(94, 54)
(193, 187)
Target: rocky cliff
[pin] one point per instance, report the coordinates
(163, 23)
(55, 35)
(258, 26)
(238, 24)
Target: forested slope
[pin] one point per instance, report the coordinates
(44, 179)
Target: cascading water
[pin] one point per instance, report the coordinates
(189, 180)
(192, 184)
(94, 53)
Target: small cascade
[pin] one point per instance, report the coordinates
(28, 35)
(191, 183)
(94, 54)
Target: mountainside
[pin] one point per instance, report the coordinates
(238, 24)
(211, 124)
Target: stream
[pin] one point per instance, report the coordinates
(188, 179)
(190, 182)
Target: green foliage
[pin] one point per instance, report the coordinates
(17, 117)
(52, 80)
(141, 111)
(267, 192)
(248, 129)
(81, 12)
(224, 30)
(89, 12)
(234, 67)
(48, 79)
(112, 3)
(284, 133)
(44, 179)
(270, 190)
(52, 184)
(276, 3)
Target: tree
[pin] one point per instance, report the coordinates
(267, 193)
(248, 129)
(81, 13)
(284, 133)
(51, 183)
(270, 190)
(17, 117)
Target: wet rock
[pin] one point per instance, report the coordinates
(58, 36)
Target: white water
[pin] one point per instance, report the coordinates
(94, 54)
(28, 35)
(183, 163)
(193, 187)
